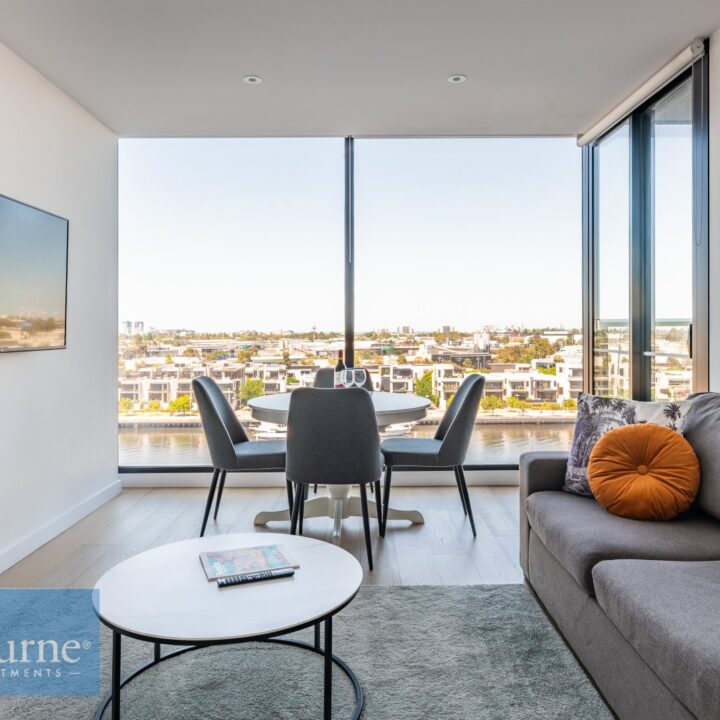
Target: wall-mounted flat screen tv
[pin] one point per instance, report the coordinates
(33, 277)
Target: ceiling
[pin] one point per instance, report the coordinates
(334, 67)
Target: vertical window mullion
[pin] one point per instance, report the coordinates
(640, 256)
(349, 252)
(589, 214)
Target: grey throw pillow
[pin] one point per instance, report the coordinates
(597, 415)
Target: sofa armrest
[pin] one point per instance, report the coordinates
(539, 471)
(542, 471)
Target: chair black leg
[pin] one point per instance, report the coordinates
(303, 493)
(208, 504)
(315, 489)
(460, 490)
(366, 523)
(461, 476)
(378, 501)
(221, 487)
(386, 500)
(288, 484)
(296, 509)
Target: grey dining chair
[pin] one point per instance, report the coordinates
(446, 450)
(325, 378)
(230, 448)
(333, 439)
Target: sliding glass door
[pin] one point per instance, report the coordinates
(611, 330)
(646, 246)
(671, 249)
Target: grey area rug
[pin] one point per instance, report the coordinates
(483, 652)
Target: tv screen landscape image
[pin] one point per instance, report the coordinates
(33, 277)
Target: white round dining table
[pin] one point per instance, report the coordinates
(390, 409)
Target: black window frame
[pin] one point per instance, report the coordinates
(641, 237)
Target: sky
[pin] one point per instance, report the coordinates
(671, 218)
(239, 234)
(33, 257)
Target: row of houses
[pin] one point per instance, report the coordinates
(164, 379)
(533, 382)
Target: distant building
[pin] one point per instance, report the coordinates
(164, 384)
(130, 327)
(481, 341)
(476, 359)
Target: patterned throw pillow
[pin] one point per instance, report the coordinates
(596, 415)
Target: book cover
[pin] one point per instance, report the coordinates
(242, 561)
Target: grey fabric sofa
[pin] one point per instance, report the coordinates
(638, 602)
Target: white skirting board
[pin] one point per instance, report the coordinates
(422, 478)
(37, 538)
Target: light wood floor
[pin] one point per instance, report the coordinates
(440, 552)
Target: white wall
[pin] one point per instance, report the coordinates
(58, 436)
(714, 188)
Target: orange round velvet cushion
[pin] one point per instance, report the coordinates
(644, 471)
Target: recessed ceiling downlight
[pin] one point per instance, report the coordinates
(457, 78)
(252, 79)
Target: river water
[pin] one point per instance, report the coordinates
(491, 444)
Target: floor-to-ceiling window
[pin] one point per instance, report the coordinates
(468, 259)
(234, 259)
(611, 331)
(671, 239)
(231, 265)
(646, 182)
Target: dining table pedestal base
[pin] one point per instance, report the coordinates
(338, 506)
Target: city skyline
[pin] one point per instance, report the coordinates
(130, 327)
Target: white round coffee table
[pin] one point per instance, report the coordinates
(390, 408)
(162, 596)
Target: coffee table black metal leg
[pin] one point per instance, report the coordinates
(116, 650)
(327, 715)
(112, 698)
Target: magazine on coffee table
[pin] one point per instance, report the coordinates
(243, 561)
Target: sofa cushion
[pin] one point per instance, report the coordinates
(580, 533)
(597, 415)
(668, 612)
(412, 452)
(645, 472)
(702, 431)
(261, 454)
